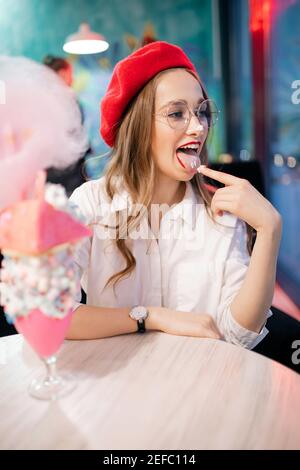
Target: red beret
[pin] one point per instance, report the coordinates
(130, 75)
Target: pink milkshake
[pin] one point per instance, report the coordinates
(38, 275)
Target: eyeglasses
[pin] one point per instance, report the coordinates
(179, 115)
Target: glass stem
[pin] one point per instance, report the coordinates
(50, 363)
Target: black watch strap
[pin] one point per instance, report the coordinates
(141, 326)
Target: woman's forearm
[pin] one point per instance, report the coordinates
(251, 304)
(101, 322)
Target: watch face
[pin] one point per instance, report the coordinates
(139, 313)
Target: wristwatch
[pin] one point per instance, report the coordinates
(139, 313)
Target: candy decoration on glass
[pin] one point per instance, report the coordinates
(38, 276)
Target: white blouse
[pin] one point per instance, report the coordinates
(194, 266)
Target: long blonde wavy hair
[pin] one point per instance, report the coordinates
(131, 160)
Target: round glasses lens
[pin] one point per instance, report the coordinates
(178, 115)
(208, 112)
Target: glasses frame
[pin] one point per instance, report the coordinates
(191, 113)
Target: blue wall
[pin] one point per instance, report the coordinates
(35, 27)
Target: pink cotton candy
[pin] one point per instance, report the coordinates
(40, 126)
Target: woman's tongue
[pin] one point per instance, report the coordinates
(188, 158)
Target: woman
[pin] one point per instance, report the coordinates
(167, 254)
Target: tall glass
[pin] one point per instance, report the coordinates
(38, 239)
(38, 293)
(46, 335)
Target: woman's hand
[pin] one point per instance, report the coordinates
(179, 323)
(240, 198)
